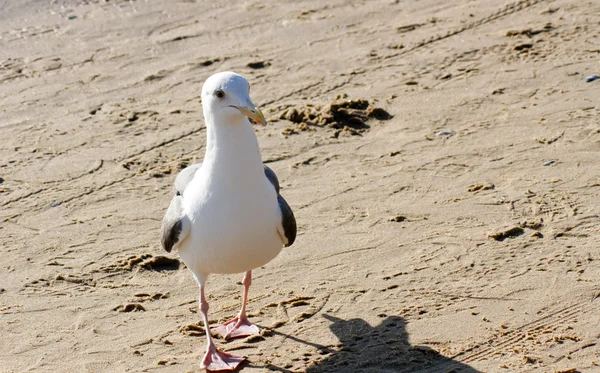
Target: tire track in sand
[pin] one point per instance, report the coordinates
(504, 343)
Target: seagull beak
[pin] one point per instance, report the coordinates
(253, 113)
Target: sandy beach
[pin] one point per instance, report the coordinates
(442, 161)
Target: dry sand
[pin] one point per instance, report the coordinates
(476, 250)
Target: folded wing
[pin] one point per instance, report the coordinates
(288, 229)
(175, 224)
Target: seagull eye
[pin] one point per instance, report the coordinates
(220, 94)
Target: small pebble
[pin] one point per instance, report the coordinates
(591, 78)
(550, 162)
(445, 133)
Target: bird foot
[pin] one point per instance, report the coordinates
(217, 361)
(237, 328)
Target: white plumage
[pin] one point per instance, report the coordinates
(232, 207)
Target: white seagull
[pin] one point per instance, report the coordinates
(227, 215)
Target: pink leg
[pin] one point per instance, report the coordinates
(215, 360)
(240, 326)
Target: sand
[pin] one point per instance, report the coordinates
(458, 234)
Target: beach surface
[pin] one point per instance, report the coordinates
(442, 161)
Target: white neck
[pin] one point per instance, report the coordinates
(233, 147)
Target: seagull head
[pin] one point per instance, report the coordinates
(226, 98)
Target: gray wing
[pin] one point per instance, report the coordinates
(175, 225)
(185, 176)
(288, 221)
(270, 174)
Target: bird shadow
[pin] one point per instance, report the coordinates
(383, 348)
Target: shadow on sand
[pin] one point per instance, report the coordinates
(381, 349)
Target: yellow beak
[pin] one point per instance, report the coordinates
(253, 113)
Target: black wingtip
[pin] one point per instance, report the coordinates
(170, 235)
(288, 221)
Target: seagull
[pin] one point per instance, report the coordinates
(227, 215)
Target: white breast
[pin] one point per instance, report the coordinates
(234, 219)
